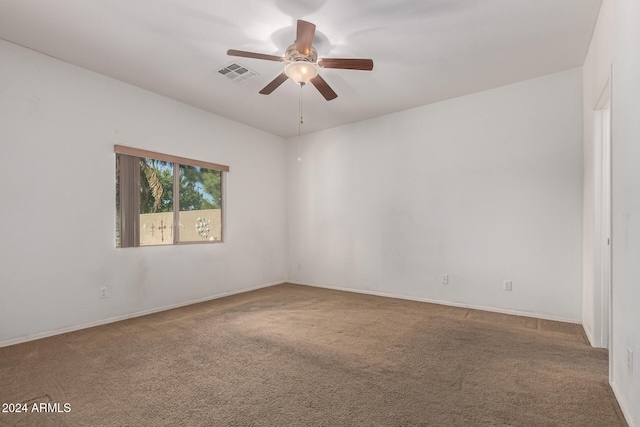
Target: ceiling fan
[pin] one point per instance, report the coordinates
(302, 63)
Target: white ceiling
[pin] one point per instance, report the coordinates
(424, 51)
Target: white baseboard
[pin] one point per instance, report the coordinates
(51, 333)
(46, 334)
(588, 333)
(441, 302)
(624, 406)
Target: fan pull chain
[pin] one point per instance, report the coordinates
(301, 122)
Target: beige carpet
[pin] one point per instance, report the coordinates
(299, 356)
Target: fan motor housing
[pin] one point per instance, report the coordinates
(292, 55)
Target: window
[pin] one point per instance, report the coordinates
(166, 200)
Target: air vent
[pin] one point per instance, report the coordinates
(236, 72)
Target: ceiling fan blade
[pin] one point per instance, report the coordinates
(274, 84)
(304, 37)
(347, 63)
(324, 88)
(244, 54)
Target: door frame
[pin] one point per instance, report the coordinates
(602, 252)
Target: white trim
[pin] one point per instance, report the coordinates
(588, 333)
(449, 303)
(54, 332)
(624, 406)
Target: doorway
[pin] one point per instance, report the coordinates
(602, 220)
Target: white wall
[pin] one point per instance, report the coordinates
(58, 125)
(485, 187)
(595, 80)
(616, 42)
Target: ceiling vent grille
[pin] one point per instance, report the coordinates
(236, 72)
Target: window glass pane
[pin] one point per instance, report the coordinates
(156, 202)
(200, 204)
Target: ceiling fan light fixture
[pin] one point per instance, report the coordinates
(301, 71)
(302, 63)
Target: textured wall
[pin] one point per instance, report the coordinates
(615, 47)
(484, 188)
(58, 125)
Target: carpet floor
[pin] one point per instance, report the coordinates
(292, 355)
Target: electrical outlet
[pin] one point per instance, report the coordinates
(103, 292)
(630, 360)
(445, 279)
(507, 285)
